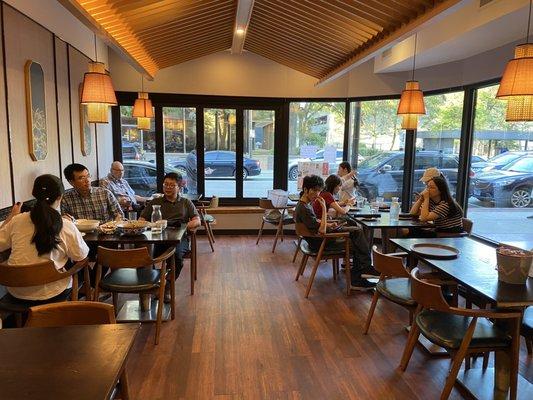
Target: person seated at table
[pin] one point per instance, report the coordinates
(429, 174)
(41, 235)
(349, 181)
(311, 187)
(85, 201)
(332, 187)
(116, 184)
(437, 204)
(176, 210)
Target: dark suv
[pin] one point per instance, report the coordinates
(382, 174)
(142, 176)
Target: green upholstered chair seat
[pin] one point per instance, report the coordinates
(209, 218)
(447, 330)
(527, 322)
(131, 280)
(397, 290)
(12, 304)
(287, 220)
(306, 249)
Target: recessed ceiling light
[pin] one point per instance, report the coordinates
(240, 31)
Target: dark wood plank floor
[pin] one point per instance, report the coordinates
(248, 333)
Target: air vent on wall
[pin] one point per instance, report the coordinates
(484, 2)
(387, 53)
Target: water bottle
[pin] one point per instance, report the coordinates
(156, 217)
(394, 209)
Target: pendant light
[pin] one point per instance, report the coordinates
(97, 91)
(516, 85)
(412, 101)
(142, 109)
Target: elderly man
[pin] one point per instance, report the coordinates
(116, 184)
(85, 201)
(176, 210)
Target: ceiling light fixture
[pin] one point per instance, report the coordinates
(97, 93)
(142, 109)
(516, 85)
(412, 100)
(240, 31)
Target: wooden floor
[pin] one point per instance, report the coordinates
(249, 333)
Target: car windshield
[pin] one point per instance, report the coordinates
(503, 158)
(522, 165)
(374, 161)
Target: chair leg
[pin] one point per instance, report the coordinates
(160, 304)
(87, 283)
(414, 333)
(375, 299)
(278, 232)
(124, 386)
(173, 288)
(334, 268)
(260, 233)
(211, 232)
(529, 345)
(208, 236)
(297, 249)
(302, 266)
(192, 278)
(486, 356)
(315, 267)
(115, 301)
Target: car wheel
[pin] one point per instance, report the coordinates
(293, 173)
(521, 197)
(244, 174)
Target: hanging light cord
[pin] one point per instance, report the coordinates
(95, 51)
(528, 21)
(414, 59)
(142, 83)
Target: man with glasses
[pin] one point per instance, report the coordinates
(176, 210)
(116, 184)
(85, 201)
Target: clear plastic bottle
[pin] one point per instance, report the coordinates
(394, 209)
(156, 216)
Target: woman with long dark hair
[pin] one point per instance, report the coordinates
(332, 188)
(40, 235)
(439, 206)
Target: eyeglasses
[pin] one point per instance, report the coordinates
(170, 185)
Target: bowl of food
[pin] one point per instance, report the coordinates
(86, 225)
(132, 228)
(108, 228)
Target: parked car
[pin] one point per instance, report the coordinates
(142, 176)
(221, 163)
(130, 152)
(499, 161)
(382, 174)
(293, 165)
(510, 186)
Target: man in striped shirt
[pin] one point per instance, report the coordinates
(85, 201)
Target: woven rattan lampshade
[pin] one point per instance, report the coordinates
(143, 123)
(98, 113)
(516, 85)
(409, 121)
(97, 86)
(143, 106)
(412, 100)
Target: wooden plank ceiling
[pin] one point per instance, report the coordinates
(311, 36)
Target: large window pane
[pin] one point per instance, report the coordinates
(380, 167)
(314, 127)
(439, 137)
(258, 145)
(220, 160)
(138, 154)
(179, 133)
(501, 189)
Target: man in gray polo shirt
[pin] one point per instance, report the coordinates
(176, 210)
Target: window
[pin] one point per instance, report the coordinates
(380, 151)
(438, 137)
(314, 126)
(500, 191)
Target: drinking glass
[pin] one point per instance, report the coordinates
(132, 215)
(379, 201)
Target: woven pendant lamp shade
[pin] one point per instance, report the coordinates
(409, 121)
(97, 86)
(412, 100)
(516, 85)
(97, 113)
(143, 123)
(143, 106)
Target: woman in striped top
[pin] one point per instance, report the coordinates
(437, 204)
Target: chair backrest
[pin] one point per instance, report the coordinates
(302, 230)
(70, 313)
(427, 295)
(129, 258)
(266, 204)
(389, 266)
(29, 274)
(468, 224)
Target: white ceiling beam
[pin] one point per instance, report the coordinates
(242, 20)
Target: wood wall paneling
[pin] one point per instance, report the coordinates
(25, 40)
(5, 173)
(63, 106)
(78, 66)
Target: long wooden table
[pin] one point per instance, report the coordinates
(475, 268)
(133, 310)
(73, 362)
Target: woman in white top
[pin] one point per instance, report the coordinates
(42, 235)
(349, 182)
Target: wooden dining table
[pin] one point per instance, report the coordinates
(135, 310)
(475, 269)
(81, 362)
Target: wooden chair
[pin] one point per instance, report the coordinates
(460, 331)
(192, 255)
(393, 284)
(77, 313)
(132, 272)
(207, 220)
(279, 222)
(467, 230)
(35, 275)
(323, 254)
(527, 329)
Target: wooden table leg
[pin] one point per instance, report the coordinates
(385, 243)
